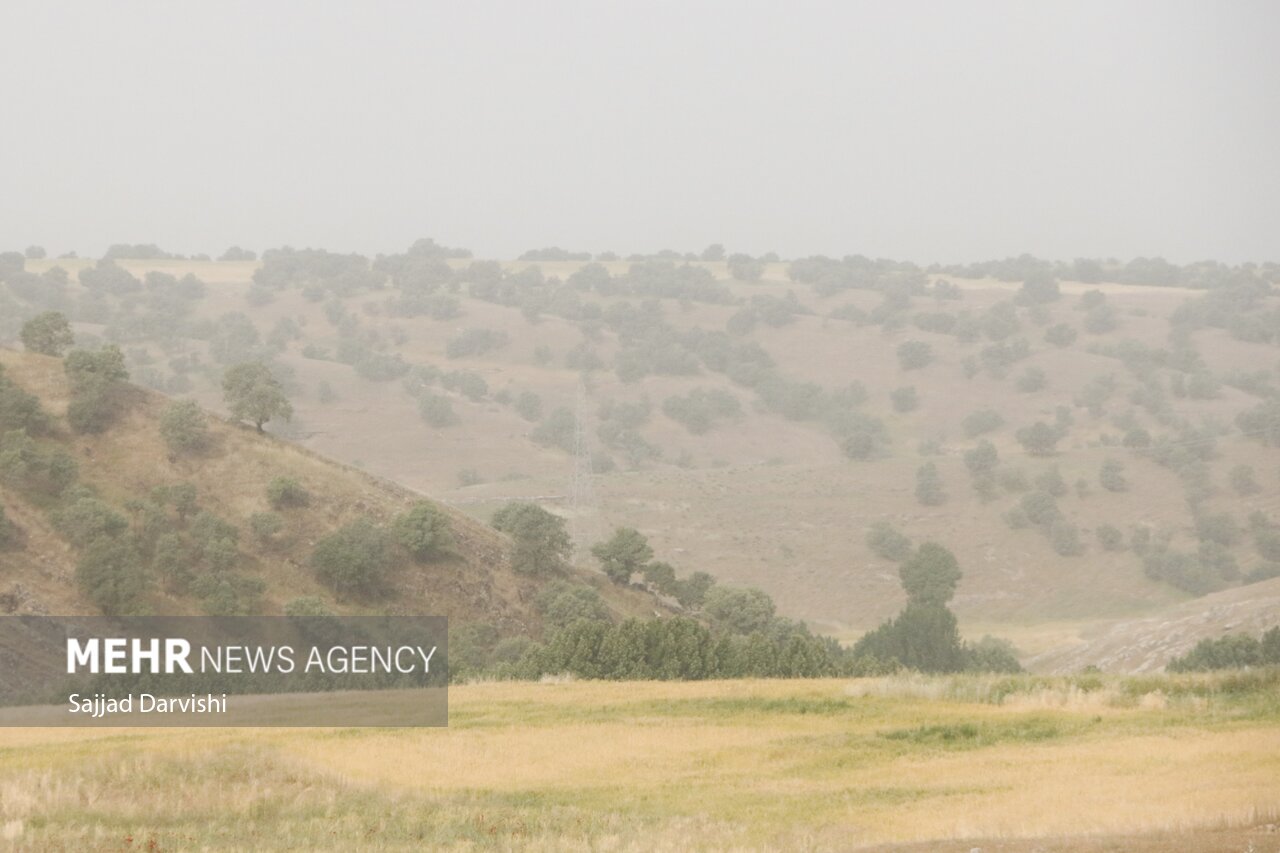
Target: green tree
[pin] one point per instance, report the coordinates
(286, 492)
(423, 531)
(1243, 480)
(905, 399)
(541, 543)
(623, 554)
(930, 575)
(887, 542)
(562, 603)
(353, 560)
(110, 574)
(48, 333)
(183, 427)
(982, 459)
(1039, 289)
(19, 410)
(1039, 439)
(981, 421)
(1060, 335)
(97, 382)
(1111, 476)
(929, 489)
(1110, 537)
(923, 637)
(87, 520)
(692, 591)
(740, 610)
(253, 394)
(661, 577)
(913, 355)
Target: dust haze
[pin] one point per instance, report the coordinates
(926, 131)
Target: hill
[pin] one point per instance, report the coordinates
(128, 468)
(759, 428)
(1147, 644)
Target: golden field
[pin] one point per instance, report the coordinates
(754, 765)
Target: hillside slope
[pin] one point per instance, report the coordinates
(124, 465)
(461, 379)
(1148, 643)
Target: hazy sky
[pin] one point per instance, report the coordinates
(923, 131)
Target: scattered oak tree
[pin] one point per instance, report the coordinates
(623, 555)
(253, 394)
(541, 544)
(48, 334)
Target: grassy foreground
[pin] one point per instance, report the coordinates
(745, 764)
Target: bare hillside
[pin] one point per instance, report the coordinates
(1147, 644)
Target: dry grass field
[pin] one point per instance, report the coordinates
(1021, 763)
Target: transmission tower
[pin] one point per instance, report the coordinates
(584, 507)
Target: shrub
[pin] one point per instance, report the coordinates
(20, 410)
(354, 559)
(24, 467)
(885, 541)
(224, 593)
(475, 342)
(265, 526)
(111, 576)
(183, 497)
(183, 427)
(1040, 509)
(1051, 481)
(437, 410)
(1243, 481)
(929, 489)
(423, 531)
(1060, 335)
(1110, 537)
(913, 355)
(1065, 538)
(1039, 439)
(699, 410)
(982, 459)
(562, 603)
(905, 399)
(97, 387)
(87, 520)
(556, 430)
(1111, 476)
(692, 591)
(529, 406)
(1032, 379)
(661, 577)
(1234, 651)
(981, 421)
(286, 492)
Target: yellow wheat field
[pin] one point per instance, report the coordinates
(718, 765)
